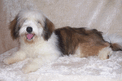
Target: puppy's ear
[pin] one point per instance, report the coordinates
(14, 28)
(48, 29)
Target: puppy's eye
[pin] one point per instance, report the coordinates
(39, 22)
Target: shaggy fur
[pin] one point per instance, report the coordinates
(41, 43)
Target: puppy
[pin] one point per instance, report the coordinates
(39, 41)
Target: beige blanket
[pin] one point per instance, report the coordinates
(104, 15)
(67, 68)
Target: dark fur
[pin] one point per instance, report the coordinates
(115, 47)
(48, 29)
(90, 41)
(14, 28)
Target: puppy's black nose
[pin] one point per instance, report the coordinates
(29, 29)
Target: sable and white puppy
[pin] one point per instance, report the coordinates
(39, 41)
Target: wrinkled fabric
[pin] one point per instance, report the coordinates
(67, 68)
(104, 15)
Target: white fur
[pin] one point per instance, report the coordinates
(40, 51)
(105, 53)
(32, 18)
(78, 53)
(32, 15)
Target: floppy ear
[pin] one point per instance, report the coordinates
(14, 28)
(48, 29)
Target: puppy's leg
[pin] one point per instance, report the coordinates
(36, 63)
(18, 56)
(33, 66)
(105, 53)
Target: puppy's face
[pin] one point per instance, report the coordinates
(30, 25)
(31, 29)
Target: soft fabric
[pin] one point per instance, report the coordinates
(67, 68)
(104, 15)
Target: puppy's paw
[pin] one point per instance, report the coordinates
(105, 53)
(30, 68)
(6, 61)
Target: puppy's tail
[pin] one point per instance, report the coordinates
(114, 40)
(115, 47)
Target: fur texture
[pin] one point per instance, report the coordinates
(41, 43)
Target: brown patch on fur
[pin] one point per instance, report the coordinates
(91, 48)
(15, 26)
(12, 27)
(108, 57)
(116, 47)
(48, 29)
(89, 41)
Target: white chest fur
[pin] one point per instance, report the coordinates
(41, 47)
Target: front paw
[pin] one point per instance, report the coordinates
(7, 61)
(30, 68)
